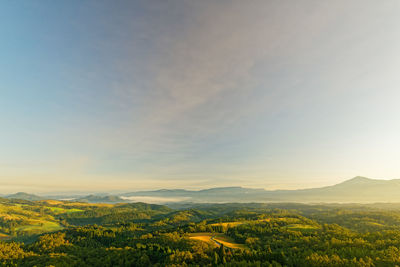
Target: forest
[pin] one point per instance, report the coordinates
(64, 233)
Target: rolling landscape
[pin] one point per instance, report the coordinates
(191, 133)
(66, 233)
(208, 227)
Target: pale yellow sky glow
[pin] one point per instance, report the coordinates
(197, 94)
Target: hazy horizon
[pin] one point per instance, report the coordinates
(119, 191)
(105, 96)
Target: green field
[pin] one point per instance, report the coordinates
(216, 239)
(40, 226)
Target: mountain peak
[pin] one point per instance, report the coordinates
(361, 178)
(357, 180)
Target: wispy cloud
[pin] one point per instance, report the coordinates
(197, 93)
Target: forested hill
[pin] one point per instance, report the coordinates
(25, 196)
(62, 233)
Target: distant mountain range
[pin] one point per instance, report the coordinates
(87, 199)
(356, 190)
(24, 196)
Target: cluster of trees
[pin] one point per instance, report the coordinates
(150, 235)
(122, 246)
(23, 220)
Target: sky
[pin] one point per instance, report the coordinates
(133, 95)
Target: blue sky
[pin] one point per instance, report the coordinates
(130, 95)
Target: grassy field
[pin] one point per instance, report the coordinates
(217, 239)
(228, 242)
(40, 226)
(205, 237)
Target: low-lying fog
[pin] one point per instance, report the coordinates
(155, 200)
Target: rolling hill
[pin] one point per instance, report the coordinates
(24, 196)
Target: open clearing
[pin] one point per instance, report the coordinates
(43, 226)
(205, 237)
(217, 239)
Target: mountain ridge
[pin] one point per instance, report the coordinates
(24, 196)
(355, 190)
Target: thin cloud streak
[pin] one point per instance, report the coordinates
(197, 93)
